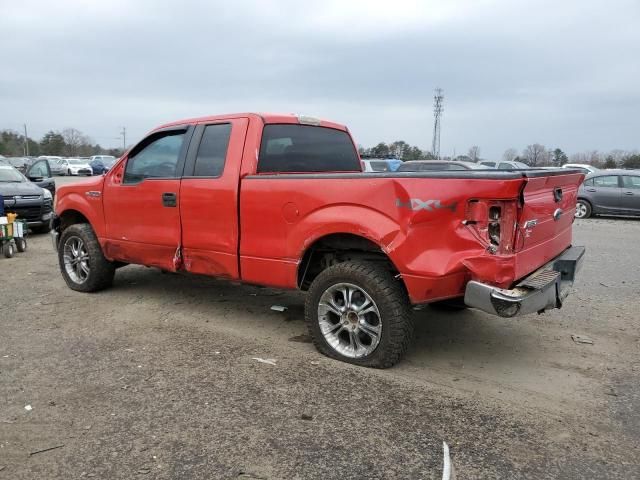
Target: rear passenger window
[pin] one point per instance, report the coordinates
(631, 182)
(305, 148)
(212, 151)
(608, 181)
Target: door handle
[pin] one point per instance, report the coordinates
(591, 189)
(627, 193)
(169, 199)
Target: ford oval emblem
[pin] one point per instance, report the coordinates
(557, 214)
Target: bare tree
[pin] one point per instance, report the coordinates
(591, 157)
(618, 156)
(595, 158)
(509, 154)
(74, 140)
(535, 154)
(474, 153)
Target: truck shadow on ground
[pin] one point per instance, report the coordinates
(454, 337)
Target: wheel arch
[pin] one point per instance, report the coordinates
(587, 201)
(70, 217)
(338, 247)
(73, 212)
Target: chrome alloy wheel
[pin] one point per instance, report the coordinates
(581, 210)
(349, 320)
(76, 260)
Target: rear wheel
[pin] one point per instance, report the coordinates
(21, 244)
(359, 313)
(583, 209)
(82, 263)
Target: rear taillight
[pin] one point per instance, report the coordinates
(493, 223)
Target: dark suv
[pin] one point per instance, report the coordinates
(31, 202)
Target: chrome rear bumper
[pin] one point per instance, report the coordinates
(544, 289)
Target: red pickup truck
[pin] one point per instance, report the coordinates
(281, 200)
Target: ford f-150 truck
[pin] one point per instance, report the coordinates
(281, 201)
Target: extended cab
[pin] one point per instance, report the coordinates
(281, 200)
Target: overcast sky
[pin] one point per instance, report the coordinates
(562, 73)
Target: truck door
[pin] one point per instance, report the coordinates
(40, 174)
(209, 198)
(141, 200)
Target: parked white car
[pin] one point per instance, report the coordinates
(586, 168)
(75, 166)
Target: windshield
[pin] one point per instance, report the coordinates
(10, 175)
(75, 161)
(108, 162)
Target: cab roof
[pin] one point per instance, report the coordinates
(266, 118)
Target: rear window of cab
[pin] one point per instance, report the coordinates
(289, 148)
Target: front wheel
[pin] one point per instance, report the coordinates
(359, 313)
(82, 263)
(583, 209)
(8, 250)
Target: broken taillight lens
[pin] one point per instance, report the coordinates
(493, 223)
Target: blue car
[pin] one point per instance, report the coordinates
(101, 163)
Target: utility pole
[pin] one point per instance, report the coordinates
(124, 138)
(438, 107)
(26, 141)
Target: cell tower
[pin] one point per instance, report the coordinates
(438, 107)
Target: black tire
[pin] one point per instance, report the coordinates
(390, 298)
(69, 172)
(8, 250)
(450, 305)
(46, 228)
(21, 244)
(101, 270)
(588, 210)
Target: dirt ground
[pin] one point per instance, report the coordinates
(157, 378)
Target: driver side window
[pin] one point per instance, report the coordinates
(156, 158)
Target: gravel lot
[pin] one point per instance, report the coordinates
(156, 378)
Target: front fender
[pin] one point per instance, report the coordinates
(87, 205)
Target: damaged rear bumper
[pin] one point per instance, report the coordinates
(544, 289)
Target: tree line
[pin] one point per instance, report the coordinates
(537, 155)
(69, 142)
(534, 155)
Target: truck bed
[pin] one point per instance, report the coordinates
(416, 218)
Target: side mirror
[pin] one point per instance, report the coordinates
(36, 179)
